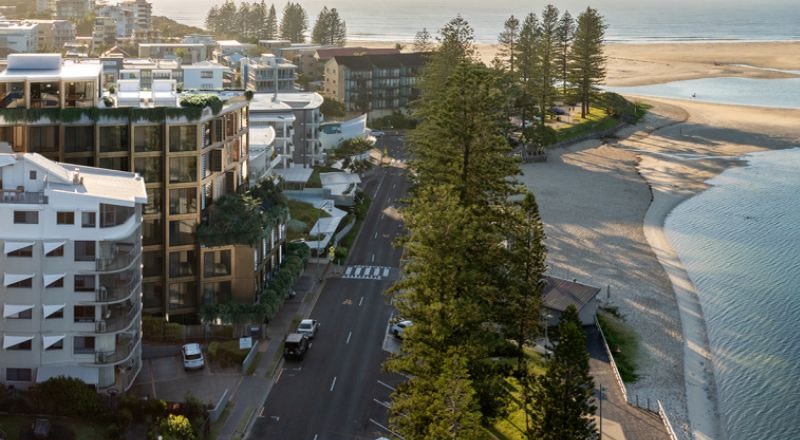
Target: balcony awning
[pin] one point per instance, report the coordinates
(52, 278)
(12, 309)
(11, 246)
(49, 341)
(11, 278)
(51, 246)
(88, 375)
(49, 309)
(10, 341)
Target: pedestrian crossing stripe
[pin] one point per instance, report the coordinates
(367, 272)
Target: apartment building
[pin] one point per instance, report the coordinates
(104, 33)
(122, 19)
(268, 73)
(188, 53)
(73, 9)
(296, 119)
(54, 34)
(142, 13)
(188, 158)
(19, 36)
(71, 268)
(205, 75)
(375, 84)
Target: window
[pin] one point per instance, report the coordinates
(26, 217)
(182, 169)
(113, 215)
(182, 263)
(181, 232)
(217, 263)
(183, 201)
(19, 374)
(56, 315)
(152, 263)
(153, 295)
(153, 205)
(88, 219)
(205, 74)
(114, 138)
(57, 252)
(182, 295)
(152, 232)
(25, 284)
(32, 175)
(83, 345)
(45, 94)
(182, 138)
(83, 283)
(25, 314)
(149, 168)
(65, 218)
(216, 293)
(79, 94)
(12, 95)
(27, 251)
(57, 283)
(25, 345)
(113, 163)
(147, 138)
(56, 346)
(43, 139)
(83, 313)
(84, 250)
(79, 139)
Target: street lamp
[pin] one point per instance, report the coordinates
(325, 203)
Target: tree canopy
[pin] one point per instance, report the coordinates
(329, 28)
(294, 23)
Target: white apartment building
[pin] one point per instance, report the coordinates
(268, 74)
(71, 272)
(19, 36)
(188, 52)
(296, 119)
(205, 75)
(121, 17)
(54, 34)
(141, 11)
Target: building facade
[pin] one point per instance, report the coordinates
(187, 158)
(296, 119)
(19, 36)
(374, 84)
(72, 275)
(268, 73)
(205, 75)
(189, 53)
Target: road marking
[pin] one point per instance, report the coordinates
(348, 270)
(358, 271)
(315, 436)
(386, 385)
(361, 301)
(279, 375)
(373, 258)
(367, 272)
(276, 418)
(385, 272)
(333, 384)
(387, 429)
(376, 234)
(348, 337)
(383, 404)
(261, 414)
(394, 186)
(348, 302)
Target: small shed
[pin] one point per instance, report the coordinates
(559, 294)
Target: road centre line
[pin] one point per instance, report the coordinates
(333, 384)
(361, 301)
(348, 337)
(376, 234)
(373, 258)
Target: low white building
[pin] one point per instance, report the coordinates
(19, 36)
(332, 134)
(71, 272)
(205, 75)
(268, 74)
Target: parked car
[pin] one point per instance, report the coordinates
(377, 133)
(192, 357)
(400, 327)
(558, 111)
(308, 327)
(295, 346)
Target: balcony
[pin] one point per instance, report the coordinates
(117, 319)
(121, 256)
(21, 196)
(117, 291)
(126, 345)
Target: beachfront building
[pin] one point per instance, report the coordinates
(558, 294)
(188, 53)
(296, 119)
(268, 73)
(54, 34)
(146, 71)
(333, 134)
(378, 85)
(104, 33)
(189, 156)
(72, 275)
(325, 54)
(19, 36)
(205, 75)
(141, 12)
(73, 9)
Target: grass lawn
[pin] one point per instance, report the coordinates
(306, 213)
(597, 120)
(623, 343)
(512, 426)
(15, 426)
(314, 181)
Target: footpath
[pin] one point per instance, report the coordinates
(247, 397)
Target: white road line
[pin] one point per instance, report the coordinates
(279, 375)
(386, 385)
(383, 404)
(373, 258)
(376, 234)
(387, 429)
(315, 436)
(361, 301)
(358, 271)
(385, 271)
(348, 270)
(333, 384)
(348, 337)
(394, 186)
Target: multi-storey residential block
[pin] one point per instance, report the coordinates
(141, 11)
(296, 119)
(19, 36)
(323, 55)
(54, 34)
(188, 156)
(268, 73)
(73, 9)
(71, 268)
(205, 75)
(188, 52)
(375, 84)
(122, 18)
(104, 33)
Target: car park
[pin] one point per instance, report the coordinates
(400, 327)
(308, 327)
(295, 346)
(192, 357)
(377, 133)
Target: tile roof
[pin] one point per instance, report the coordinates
(559, 294)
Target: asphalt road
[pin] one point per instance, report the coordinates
(338, 391)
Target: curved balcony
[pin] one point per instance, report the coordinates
(118, 256)
(117, 288)
(126, 346)
(117, 319)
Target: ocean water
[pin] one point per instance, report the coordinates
(628, 20)
(781, 93)
(740, 243)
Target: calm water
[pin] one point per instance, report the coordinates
(629, 20)
(782, 93)
(740, 243)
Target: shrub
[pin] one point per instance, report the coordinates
(226, 354)
(67, 396)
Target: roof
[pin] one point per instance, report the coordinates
(23, 66)
(205, 65)
(295, 174)
(328, 53)
(365, 62)
(270, 102)
(559, 294)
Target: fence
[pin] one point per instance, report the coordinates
(620, 383)
(251, 355)
(340, 235)
(215, 413)
(667, 424)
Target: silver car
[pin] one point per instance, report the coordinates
(192, 357)
(308, 327)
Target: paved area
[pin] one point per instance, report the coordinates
(621, 421)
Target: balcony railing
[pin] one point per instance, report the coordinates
(125, 346)
(111, 293)
(22, 196)
(117, 321)
(122, 255)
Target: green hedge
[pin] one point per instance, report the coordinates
(226, 354)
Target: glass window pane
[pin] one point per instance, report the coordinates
(183, 201)
(43, 139)
(182, 138)
(153, 295)
(153, 205)
(114, 163)
(12, 95)
(79, 94)
(182, 295)
(182, 169)
(181, 232)
(79, 139)
(217, 263)
(151, 232)
(114, 138)
(148, 138)
(182, 263)
(149, 168)
(45, 94)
